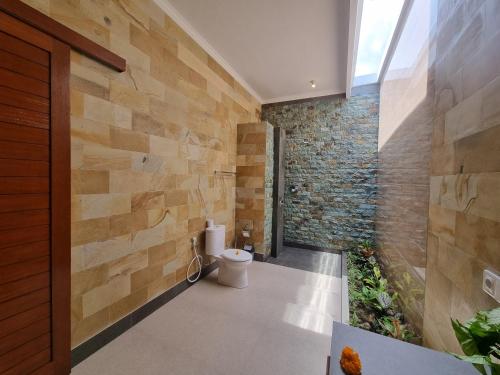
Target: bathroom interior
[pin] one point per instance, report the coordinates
(192, 186)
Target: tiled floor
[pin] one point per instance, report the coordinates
(309, 260)
(280, 324)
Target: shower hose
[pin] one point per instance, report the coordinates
(196, 260)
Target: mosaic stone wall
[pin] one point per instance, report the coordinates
(330, 168)
(144, 147)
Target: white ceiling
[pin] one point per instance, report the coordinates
(273, 47)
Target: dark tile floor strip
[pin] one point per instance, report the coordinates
(308, 260)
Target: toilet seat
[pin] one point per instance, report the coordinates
(236, 255)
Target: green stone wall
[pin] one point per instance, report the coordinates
(331, 162)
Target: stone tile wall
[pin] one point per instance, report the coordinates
(405, 132)
(145, 144)
(457, 87)
(254, 183)
(464, 212)
(331, 161)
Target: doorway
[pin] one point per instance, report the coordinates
(34, 201)
(278, 191)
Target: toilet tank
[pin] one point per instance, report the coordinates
(215, 240)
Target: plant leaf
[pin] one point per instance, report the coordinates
(385, 300)
(479, 361)
(464, 337)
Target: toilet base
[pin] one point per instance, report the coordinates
(233, 276)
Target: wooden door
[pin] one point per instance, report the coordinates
(34, 201)
(278, 191)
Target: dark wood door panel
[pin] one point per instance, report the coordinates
(22, 66)
(23, 303)
(23, 219)
(25, 351)
(34, 365)
(18, 236)
(23, 49)
(19, 271)
(24, 335)
(24, 319)
(24, 252)
(20, 99)
(21, 202)
(23, 134)
(24, 185)
(23, 286)
(20, 116)
(24, 151)
(22, 83)
(23, 168)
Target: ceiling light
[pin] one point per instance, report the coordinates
(313, 84)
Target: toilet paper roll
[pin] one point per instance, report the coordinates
(215, 240)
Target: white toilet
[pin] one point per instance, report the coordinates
(232, 263)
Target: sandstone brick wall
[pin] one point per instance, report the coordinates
(331, 159)
(464, 212)
(454, 82)
(405, 132)
(254, 182)
(145, 144)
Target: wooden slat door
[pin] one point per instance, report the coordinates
(34, 201)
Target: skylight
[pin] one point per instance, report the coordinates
(378, 21)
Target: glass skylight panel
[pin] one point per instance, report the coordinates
(378, 22)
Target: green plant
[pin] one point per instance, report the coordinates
(367, 248)
(479, 338)
(371, 298)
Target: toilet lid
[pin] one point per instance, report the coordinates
(236, 255)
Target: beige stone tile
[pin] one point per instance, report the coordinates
(86, 280)
(104, 252)
(146, 276)
(128, 264)
(89, 182)
(127, 304)
(160, 285)
(89, 74)
(148, 200)
(128, 181)
(479, 237)
(120, 225)
(86, 231)
(128, 97)
(89, 87)
(145, 238)
(162, 254)
(88, 132)
(163, 146)
(125, 139)
(102, 158)
(93, 206)
(102, 111)
(176, 198)
(442, 223)
(464, 119)
(84, 329)
(76, 103)
(470, 156)
(105, 295)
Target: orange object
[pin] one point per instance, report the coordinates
(350, 362)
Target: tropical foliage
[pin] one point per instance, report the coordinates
(479, 338)
(372, 302)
